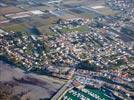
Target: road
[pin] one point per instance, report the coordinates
(61, 91)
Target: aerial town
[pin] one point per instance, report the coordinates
(66, 50)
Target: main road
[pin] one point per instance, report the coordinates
(61, 91)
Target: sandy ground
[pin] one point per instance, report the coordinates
(30, 86)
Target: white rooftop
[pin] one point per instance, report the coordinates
(37, 12)
(98, 7)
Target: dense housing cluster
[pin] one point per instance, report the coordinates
(92, 49)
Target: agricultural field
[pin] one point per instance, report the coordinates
(10, 10)
(16, 27)
(79, 29)
(2, 18)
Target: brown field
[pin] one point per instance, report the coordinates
(2, 18)
(42, 8)
(25, 86)
(9, 10)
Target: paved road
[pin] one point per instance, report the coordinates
(61, 91)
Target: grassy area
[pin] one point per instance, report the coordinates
(131, 59)
(89, 15)
(79, 29)
(2, 18)
(16, 27)
(50, 33)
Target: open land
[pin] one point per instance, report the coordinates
(27, 84)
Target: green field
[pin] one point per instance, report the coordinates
(86, 94)
(79, 29)
(16, 27)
